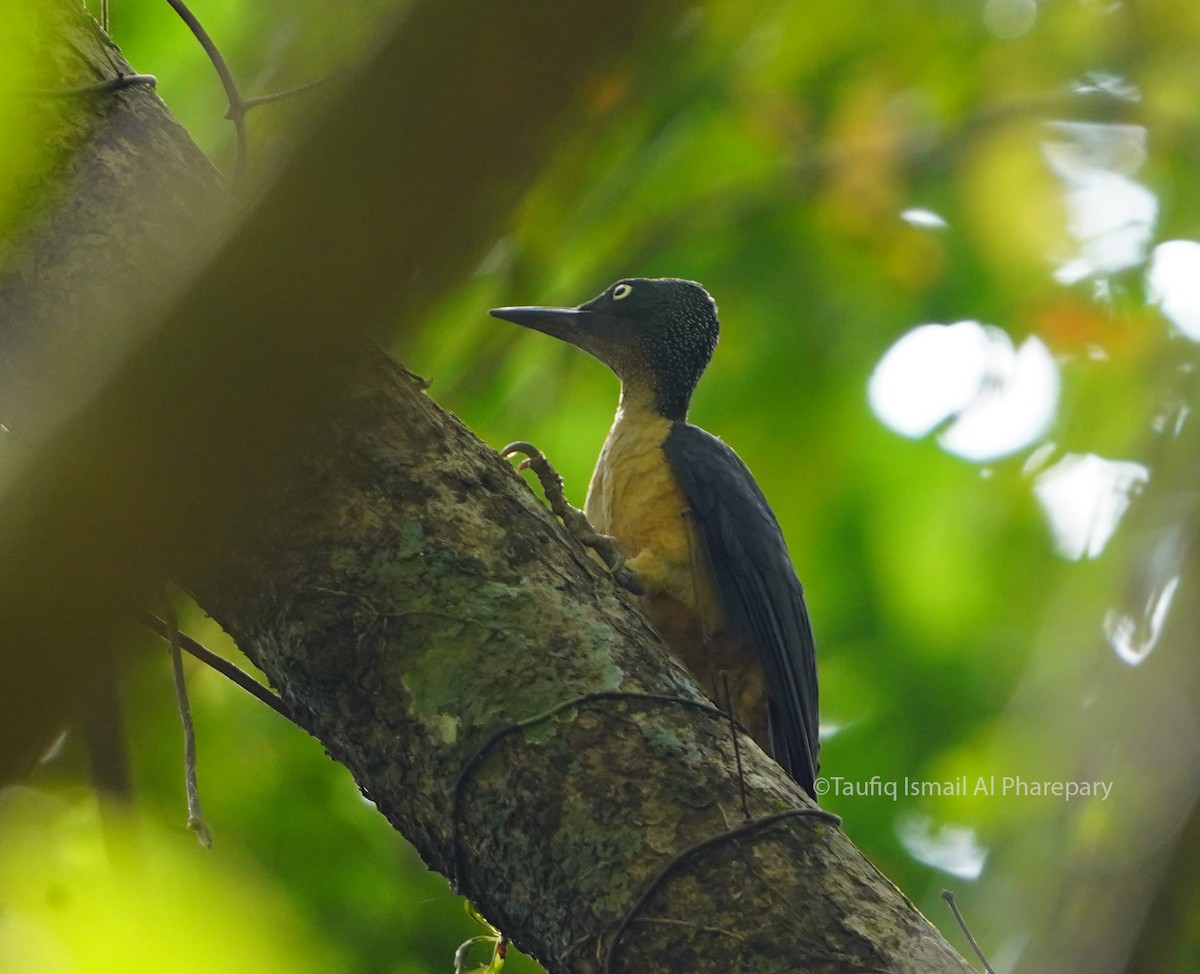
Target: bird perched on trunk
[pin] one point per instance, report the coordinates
(688, 516)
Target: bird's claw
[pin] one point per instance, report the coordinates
(521, 446)
(573, 518)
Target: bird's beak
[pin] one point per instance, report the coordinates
(564, 323)
(597, 333)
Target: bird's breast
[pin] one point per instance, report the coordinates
(635, 496)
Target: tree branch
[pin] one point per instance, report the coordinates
(414, 600)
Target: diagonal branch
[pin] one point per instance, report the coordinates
(506, 707)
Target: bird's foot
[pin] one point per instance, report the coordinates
(573, 518)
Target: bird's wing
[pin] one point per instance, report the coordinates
(757, 585)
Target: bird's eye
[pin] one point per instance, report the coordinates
(621, 291)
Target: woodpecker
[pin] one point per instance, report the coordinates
(717, 580)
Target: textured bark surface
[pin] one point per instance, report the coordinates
(402, 588)
(412, 598)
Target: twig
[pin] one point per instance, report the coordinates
(948, 896)
(108, 84)
(196, 820)
(221, 665)
(238, 106)
(237, 111)
(255, 102)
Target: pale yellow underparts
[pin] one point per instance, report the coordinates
(635, 497)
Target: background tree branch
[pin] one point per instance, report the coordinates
(125, 303)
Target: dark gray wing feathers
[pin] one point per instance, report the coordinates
(757, 585)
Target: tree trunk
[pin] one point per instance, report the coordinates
(420, 611)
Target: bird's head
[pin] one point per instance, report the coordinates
(656, 334)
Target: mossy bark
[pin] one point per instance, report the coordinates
(412, 598)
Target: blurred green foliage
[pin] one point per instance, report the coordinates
(27, 112)
(772, 154)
